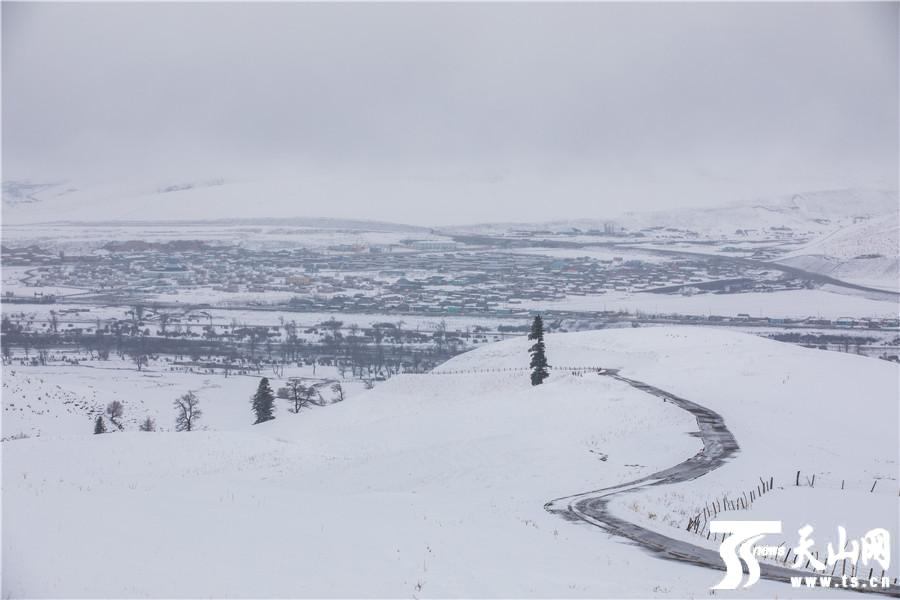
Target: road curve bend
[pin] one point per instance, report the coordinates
(719, 445)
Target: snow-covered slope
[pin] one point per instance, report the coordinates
(428, 485)
(756, 384)
(807, 212)
(56, 400)
(828, 415)
(865, 253)
(262, 201)
(33, 405)
(812, 213)
(431, 485)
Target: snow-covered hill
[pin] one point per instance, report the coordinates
(865, 253)
(259, 202)
(58, 400)
(807, 212)
(434, 485)
(813, 213)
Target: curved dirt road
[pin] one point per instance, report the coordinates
(719, 445)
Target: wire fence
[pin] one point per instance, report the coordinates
(872, 485)
(699, 524)
(595, 369)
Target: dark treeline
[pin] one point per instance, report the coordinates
(379, 351)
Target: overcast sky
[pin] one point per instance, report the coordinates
(457, 112)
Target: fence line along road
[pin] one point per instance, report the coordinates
(719, 446)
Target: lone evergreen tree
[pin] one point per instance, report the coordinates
(99, 425)
(264, 402)
(539, 364)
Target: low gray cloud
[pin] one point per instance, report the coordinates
(503, 110)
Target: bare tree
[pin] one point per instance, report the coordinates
(313, 395)
(188, 411)
(148, 424)
(300, 395)
(114, 411)
(296, 393)
(140, 359)
(338, 390)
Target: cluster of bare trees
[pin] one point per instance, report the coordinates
(187, 413)
(301, 393)
(298, 392)
(371, 353)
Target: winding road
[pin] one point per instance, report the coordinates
(719, 445)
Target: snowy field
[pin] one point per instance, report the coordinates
(86, 314)
(784, 304)
(64, 400)
(434, 485)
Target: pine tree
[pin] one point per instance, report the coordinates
(99, 425)
(539, 366)
(264, 402)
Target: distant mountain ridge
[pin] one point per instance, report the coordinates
(812, 212)
(206, 202)
(216, 201)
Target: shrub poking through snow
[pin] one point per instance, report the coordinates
(99, 425)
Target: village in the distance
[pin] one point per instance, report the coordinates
(375, 299)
